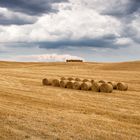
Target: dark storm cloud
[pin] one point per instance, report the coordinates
(33, 8)
(120, 9)
(126, 13)
(1, 52)
(16, 20)
(131, 32)
(100, 42)
(134, 6)
(107, 41)
(30, 7)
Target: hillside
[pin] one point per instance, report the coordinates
(31, 111)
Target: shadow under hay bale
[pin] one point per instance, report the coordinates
(78, 79)
(47, 81)
(86, 86)
(85, 80)
(95, 87)
(63, 83)
(70, 84)
(56, 83)
(70, 79)
(122, 86)
(107, 88)
(114, 84)
(77, 85)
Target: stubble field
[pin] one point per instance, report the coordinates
(31, 111)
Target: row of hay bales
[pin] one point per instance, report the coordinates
(74, 60)
(86, 84)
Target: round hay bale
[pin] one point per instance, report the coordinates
(63, 83)
(114, 84)
(95, 87)
(56, 83)
(70, 84)
(63, 78)
(86, 86)
(44, 81)
(102, 81)
(70, 79)
(105, 87)
(85, 80)
(92, 81)
(77, 85)
(122, 86)
(78, 79)
(47, 81)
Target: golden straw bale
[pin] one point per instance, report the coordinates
(44, 81)
(70, 84)
(47, 81)
(105, 87)
(95, 87)
(92, 81)
(77, 85)
(114, 84)
(85, 80)
(63, 83)
(86, 86)
(103, 81)
(63, 78)
(70, 79)
(122, 86)
(56, 83)
(78, 79)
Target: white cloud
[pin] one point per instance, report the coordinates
(46, 57)
(77, 21)
(123, 41)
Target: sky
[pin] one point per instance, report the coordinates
(56, 30)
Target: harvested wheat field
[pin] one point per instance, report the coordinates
(29, 110)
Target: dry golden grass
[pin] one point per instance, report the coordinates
(29, 110)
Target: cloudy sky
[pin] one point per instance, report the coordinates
(55, 30)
